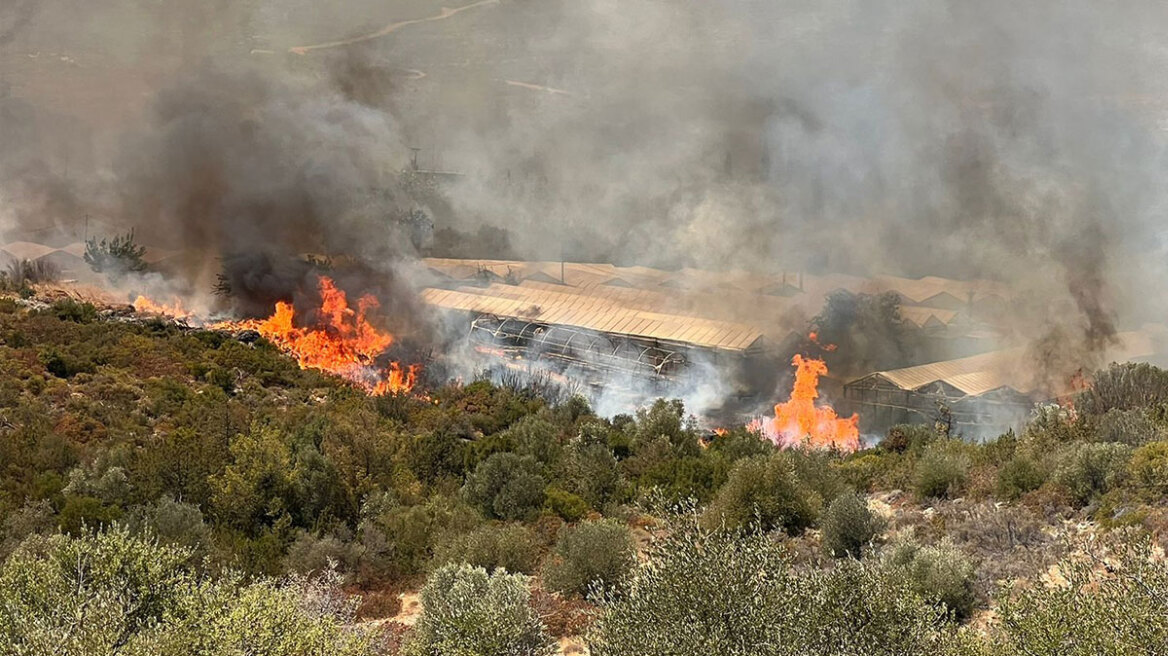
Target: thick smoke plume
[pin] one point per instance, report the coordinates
(1021, 143)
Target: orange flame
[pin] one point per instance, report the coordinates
(799, 422)
(814, 337)
(1077, 383)
(175, 309)
(342, 342)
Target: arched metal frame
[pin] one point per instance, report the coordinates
(574, 346)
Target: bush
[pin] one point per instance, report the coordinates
(903, 438)
(115, 593)
(848, 524)
(763, 491)
(1018, 476)
(70, 310)
(1148, 471)
(1118, 608)
(1132, 427)
(869, 470)
(942, 469)
(591, 556)
(512, 547)
(468, 612)
(591, 472)
(940, 574)
(173, 522)
(817, 472)
(536, 437)
(506, 486)
(1089, 470)
(33, 518)
(21, 273)
(568, 506)
(1131, 386)
(313, 554)
(400, 540)
(703, 592)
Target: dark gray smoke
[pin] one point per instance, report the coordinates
(1021, 143)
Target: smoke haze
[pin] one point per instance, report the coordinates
(1022, 143)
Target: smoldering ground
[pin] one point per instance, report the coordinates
(1018, 143)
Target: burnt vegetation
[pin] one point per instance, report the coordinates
(225, 459)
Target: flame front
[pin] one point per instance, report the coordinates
(342, 341)
(175, 309)
(799, 422)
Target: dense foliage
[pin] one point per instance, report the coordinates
(116, 593)
(184, 475)
(472, 613)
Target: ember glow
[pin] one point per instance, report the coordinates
(342, 341)
(799, 422)
(174, 309)
(814, 337)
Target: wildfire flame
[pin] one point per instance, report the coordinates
(800, 422)
(342, 341)
(175, 309)
(814, 337)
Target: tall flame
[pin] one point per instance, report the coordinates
(800, 422)
(342, 341)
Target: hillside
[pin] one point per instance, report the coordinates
(121, 430)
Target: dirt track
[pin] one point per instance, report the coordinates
(392, 27)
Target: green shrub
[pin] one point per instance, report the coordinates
(71, 310)
(468, 612)
(1130, 386)
(703, 592)
(173, 522)
(313, 554)
(848, 524)
(666, 419)
(591, 472)
(511, 547)
(591, 556)
(1148, 471)
(1089, 470)
(536, 437)
(940, 574)
(113, 593)
(818, 472)
(1052, 426)
(868, 470)
(33, 518)
(942, 469)
(568, 506)
(84, 512)
(399, 540)
(506, 486)
(763, 491)
(1133, 427)
(1018, 476)
(1117, 609)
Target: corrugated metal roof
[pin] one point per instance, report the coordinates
(593, 314)
(978, 374)
(26, 250)
(930, 291)
(924, 317)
